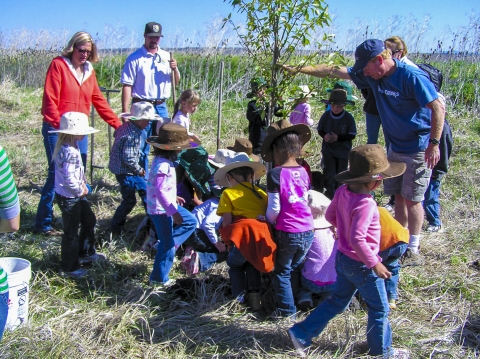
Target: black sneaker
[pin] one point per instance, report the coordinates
(410, 258)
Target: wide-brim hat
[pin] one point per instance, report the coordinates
(220, 157)
(74, 123)
(304, 91)
(141, 110)
(244, 145)
(345, 86)
(153, 29)
(241, 159)
(278, 128)
(173, 137)
(318, 204)
(369, 163)
(366, 51)
(339, 97)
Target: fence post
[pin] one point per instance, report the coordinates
(220, 95)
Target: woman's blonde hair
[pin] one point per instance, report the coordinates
(63, 138)
(190, 96)
(78, 39)
(399, 44)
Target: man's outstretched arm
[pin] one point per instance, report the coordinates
(319, 70)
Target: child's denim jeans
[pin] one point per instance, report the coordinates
(291, 251)
(3, 312)
(352, 276)
(243, 275)
(391, 260)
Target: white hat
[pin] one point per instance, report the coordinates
(141, 110)
(318, 204)
(221, 157)
(74, 123)
(305, 90)
(241, 159)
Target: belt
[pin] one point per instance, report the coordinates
(153, 102)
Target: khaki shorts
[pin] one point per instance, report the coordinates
(414, 182)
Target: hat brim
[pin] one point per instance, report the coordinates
(221, 175)
(347, 102)
(216, 164)
(395, 169)
(87, 131)
(303, 132)
(349, 97)
(154, 34)
(130, 117)
(192, 142)
(254, 157)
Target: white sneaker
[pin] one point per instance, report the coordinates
(434, 229)
(399, 354)
(300, 348)
(95, 257)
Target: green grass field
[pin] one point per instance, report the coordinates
(113, 313)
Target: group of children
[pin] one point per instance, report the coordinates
(311, 245)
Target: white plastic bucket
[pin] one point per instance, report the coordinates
(19, 273)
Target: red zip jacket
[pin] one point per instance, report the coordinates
(63, 93)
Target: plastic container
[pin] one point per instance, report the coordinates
(19, 273)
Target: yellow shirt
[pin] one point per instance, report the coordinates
(241, 201)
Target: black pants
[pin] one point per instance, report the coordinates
(76, 213)
(331, 167)
(200, 242)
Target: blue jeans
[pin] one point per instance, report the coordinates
(76, 214)
(128, 186)
(3, 312)
(431, 203)
(373, 123)
(207, 260)
(352, 276)
(170, 238)
(44, 217)
(147, 132)
(244, 277)
(390, 259)
(291, 251)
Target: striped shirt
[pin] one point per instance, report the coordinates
(3, 281)
(9, 203)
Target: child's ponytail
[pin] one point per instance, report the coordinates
(176, 107)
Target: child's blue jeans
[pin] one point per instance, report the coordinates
(431, 203)
(243, 275)
(3, 312)
(391, 260)
(291, 251)
(170, 239)
(352, 276)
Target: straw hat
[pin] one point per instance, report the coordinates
(318, 204)
(142, 110)
(279, 128)
(244, 145)
(369, 163)
(221, 157)
(173, 137)
(74, 123)
(241, 159)
(338, 97)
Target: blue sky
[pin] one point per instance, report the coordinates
(188, 21)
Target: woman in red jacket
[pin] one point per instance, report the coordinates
(70, 85)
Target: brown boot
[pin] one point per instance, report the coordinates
(253, 301)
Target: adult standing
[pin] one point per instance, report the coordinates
(70, 85)
(412, 118)
(146, 76)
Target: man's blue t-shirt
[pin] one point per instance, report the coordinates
(401, 99)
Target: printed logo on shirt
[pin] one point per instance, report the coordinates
(388, 92)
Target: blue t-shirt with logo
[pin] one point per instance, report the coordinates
(401, 99)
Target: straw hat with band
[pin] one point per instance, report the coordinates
(344, 86)
(241, 159)
(318, 204)
(244, 145)
(279, 128)
(173, 137)
(369, 163)
(142, 110)
(74, 123)
(338, 97)
(221, 157)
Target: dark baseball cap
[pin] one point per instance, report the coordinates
(153, 29)
(366, 51)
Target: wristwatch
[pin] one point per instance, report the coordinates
(434, 141)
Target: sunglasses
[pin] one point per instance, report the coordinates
(396, 51)
(83, 51)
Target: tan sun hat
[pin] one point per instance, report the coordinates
(244, 145)
(318, 204)
(173, 137)
(278, 128)
(141, 110)
(241, 159)
(369, 163)
(304, 91)
(74, 123)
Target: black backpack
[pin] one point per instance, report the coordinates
(434, 74)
